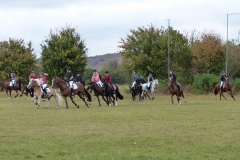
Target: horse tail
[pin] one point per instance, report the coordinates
(59, 99)
(118, 94)
(215, 91)
(88, 95)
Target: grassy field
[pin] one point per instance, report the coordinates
(203, 128)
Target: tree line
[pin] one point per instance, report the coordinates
(144, 49)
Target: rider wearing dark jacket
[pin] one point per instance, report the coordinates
(174, 80)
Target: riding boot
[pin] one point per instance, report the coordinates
(13, 86)
(44, 91)
(72, 91)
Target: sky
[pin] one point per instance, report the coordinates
(102, 23)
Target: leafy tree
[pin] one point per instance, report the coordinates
(208, 53)
(18, 57)
(63, 49)
(146, 50)
(233, 59)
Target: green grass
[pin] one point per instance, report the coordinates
(203, 128)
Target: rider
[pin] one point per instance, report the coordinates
(78, 77)
(32, 76)
(13, 76)
(69, 79)
(43, 82)
(150, 80)
(134, 78)
(223, 76)
(96, 78)
(108, 80)
(174, 80)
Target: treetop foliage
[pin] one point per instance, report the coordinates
(62, 49)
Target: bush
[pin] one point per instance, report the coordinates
(204, 83)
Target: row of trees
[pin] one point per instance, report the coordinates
(144, 50)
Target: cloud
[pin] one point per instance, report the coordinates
(102, 23)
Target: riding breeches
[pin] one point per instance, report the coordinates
(133, 84)
(149, 84)
(13, 81)
(70, 84)
(99, 83)
(221, 84)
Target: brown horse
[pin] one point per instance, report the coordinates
(38, 93)
(66, 91)
(98, 91)
(8, 87)
(174, 91)
(227, 89)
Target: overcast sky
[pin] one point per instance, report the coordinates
(102, 23)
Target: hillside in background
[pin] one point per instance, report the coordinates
(97, 62)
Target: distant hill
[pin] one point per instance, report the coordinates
(97, 62)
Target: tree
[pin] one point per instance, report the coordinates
(145, 50)
(18, 57)
(233, 60)
(208, 53)
(63, 49)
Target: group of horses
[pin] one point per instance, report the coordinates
(109, 93)
(140, 88)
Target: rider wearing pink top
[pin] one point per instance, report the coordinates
(96, 78)
(43, 82)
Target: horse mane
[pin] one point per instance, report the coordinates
(37, 81)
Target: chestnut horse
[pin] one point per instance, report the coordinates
(66, 91)
(174, 91)
(227, 89)
(98, 91)
(8, 87)
(38, 93)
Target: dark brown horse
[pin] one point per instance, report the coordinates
(66, 91)
(98, 91)
(18, 87)
(174, 90)
(27, 91)
(227, 89)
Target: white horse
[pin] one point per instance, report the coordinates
(152, 89)
(35, 83)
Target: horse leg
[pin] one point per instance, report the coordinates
(65, 98)
(103, 97)
(178, 98)
(17, 94)
(84, 99)
(231, 94)
(116, 100)
(9, 93)
(172, 98)
(48, 103)
(183, 97)
(38, 104)
(153, 94)
(221, 94)
(74, 102)
(98, 100)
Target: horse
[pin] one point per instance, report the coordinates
(27, 91)
(174, 90)
(98, 91)
(78, 89)
(136, 90)
(227, 89)
(8, 87)
(109, 93)
(152, 89)
(38, 93)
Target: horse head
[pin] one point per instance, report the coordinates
(33, 83)
(170, 79)
(55, 81)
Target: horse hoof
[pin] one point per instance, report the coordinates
(78, 106)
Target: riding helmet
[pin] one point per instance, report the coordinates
(32, 71)
(68, 68)
(106, 71)
(12, 71)
(41, 73)
(223, 72)
(150, 74)
(94, 70)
